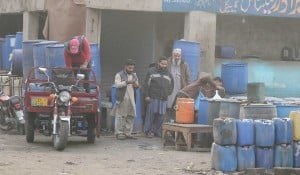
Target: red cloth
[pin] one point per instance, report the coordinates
(84, 54)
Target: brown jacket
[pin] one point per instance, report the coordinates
(206, 85)
(184, 72)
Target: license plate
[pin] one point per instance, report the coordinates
(39, 101)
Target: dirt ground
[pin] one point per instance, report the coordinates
(107, 156)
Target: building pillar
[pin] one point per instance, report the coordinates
(93, 25)
(201, 27)
(30, 25)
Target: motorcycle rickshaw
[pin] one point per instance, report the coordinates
(58, 105)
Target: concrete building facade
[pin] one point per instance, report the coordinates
(142, 30)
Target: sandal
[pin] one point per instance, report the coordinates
(120, 136)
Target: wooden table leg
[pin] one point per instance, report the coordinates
(176, 140)
(188, 139)
(164, 136)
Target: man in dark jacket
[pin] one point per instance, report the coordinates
(158, 86)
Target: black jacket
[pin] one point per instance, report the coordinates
(159, 84)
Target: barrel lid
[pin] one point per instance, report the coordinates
(17, 50)
(287, 105)
(10, 36)
(55, 46)
(230, 100)
(45, 42)
(234, 63)
(94, 43)
(262, 105)
(214, 100)
(187, 41)
(33, 41)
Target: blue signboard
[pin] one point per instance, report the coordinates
(283, 8)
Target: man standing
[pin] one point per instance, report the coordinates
(181, 73)
(125, 109)
(77, 54)
(158, 86)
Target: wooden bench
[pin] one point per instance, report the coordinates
(187, 130)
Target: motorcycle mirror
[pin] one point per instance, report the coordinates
(43, 70)
(80, 76)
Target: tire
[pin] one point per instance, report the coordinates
(91, 132)
(21, 128)
(30, 127)
(60, 140)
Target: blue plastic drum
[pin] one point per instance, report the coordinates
(283, 130)
(190, 52)
(2, 41)
(16, 62)
(264, 157)
(19, 40)
(235, 77)
(224, 131)
(9, 45)
(264, 133)
(245, 157)
(224, 158)
(245, 132)
(28, 56)
(95, 60)
(55, 55)
(283, 155)
(39, 55)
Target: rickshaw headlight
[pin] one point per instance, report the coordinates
(64, 96)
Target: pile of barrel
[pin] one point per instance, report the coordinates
(240, 144)
(18, 56)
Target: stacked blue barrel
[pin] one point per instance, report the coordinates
(8, 46)
(39, 55)
(95, 60)
(16, 61)
(19, 40)
(245, 144)
(55, 55)
(264, 141)
(28, 62)
(283, 155)
(240, 144)
(2, 41)
(223, 151)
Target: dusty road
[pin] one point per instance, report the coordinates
(107, 156)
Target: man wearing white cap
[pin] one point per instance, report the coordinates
(181, 73)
